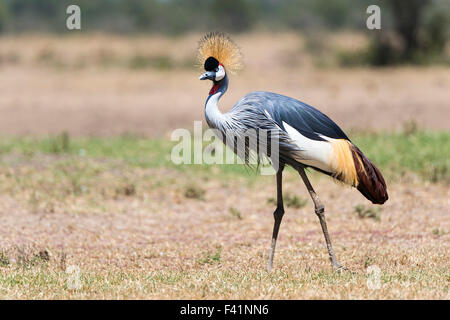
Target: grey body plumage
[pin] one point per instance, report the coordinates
(267, 111)
(304, 136)
(304, 118)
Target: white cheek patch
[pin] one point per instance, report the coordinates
(220, 74)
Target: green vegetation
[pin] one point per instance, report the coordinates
(426, 154)
(236, 213)
(439, 232)
(368, 212)
(414, 31)
(293, 201)
(4, 260)
(175, 16)
(422, 153)
(290, 200)
(210, 258)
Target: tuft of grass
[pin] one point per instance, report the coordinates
(210, 258)
(410, 128)
(272, 201)
(293, 201)
(347, 58)
(368, 261)
(47, 56)
(290, 200)
(439, 232)
(194, 192)
(236, 213)
(60, 143)
(44, 255)
(27, 260)
(4, 259)
(127, 189)
(368, 212)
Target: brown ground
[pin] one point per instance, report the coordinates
(156, 243)
(84, 85)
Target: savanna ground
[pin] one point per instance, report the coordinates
(92, 207)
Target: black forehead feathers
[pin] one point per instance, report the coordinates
(211, 64)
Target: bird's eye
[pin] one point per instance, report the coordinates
(217, 69)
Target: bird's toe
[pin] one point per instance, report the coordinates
(339, 268)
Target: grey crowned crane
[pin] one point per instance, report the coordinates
(307, 138)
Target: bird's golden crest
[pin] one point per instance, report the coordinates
(222, 48)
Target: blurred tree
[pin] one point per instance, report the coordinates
(413, 39)
(408, 16)
(408, 29)
(333, 13)
(3, 16)
(436, 31)
(144, 12)
(232, 15)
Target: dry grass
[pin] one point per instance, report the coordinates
(96, 239)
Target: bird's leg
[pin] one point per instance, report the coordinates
(278, 215)
(320, 212)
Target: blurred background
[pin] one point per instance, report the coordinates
(132, 66)
(86, 177)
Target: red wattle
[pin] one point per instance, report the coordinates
(214, 89)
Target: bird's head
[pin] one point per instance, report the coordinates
(218, 54)
(215, 71)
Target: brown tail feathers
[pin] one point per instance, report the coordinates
(370, 181)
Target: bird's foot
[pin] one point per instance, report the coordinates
(338, 267)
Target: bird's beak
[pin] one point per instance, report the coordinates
(209, 75)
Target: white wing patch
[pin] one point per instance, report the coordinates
(314, 153)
